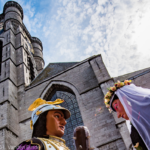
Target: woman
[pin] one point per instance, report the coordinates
(132, 103)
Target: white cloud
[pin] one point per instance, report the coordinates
(89, 50)
(72, 30)
(102, 2)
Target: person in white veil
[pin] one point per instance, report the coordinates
(132, 103)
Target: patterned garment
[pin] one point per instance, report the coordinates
(27, 147)
(50, 143)
(32, 144)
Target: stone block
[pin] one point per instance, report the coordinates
(13, 15)
(9, 117)
(14, 9)
(25, 128)
(20, 75)
(9, 37)
(103, 130)
(11, 140)
(19, 41)
(114, 145)
(13, 72)
(9, 53)
(5, 70)
(99, 69)
(19, 56)
(25, 99)
(82, 77)
(125, 134)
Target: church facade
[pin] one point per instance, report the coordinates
(81, 84)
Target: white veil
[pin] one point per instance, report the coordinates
(136, 102)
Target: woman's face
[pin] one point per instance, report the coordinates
(119, 109)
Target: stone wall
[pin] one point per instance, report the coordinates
(97, 118)
(81, 79)
(143, 80)
(2, 139)
(26, 132)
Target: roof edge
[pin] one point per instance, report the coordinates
(88, 59)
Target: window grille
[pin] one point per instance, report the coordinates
(75, 119)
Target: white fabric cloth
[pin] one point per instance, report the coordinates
(136, 102)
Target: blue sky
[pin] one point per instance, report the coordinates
(73, 30)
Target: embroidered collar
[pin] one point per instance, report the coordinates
(57, 139)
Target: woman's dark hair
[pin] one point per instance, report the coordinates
(39, 129)
(115, 97)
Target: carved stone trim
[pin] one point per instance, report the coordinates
(55, 87)
(36, 40)
(39, 58)
(14, 4)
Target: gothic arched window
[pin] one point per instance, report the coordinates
(31, 69)
(1, 46)
(75, 120)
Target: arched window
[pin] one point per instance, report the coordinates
(31, 69)
(75, 119)
(1, 46)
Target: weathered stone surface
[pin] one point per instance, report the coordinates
(13, 15)
(9, 37)
(81, 76)
(25, 128)
(116, 145)
(9, 117)
(125, 134)
(13, 9)
(51, 71)
(26, 98)
(94, 114)
(99, 69)
(87, 81)
(9, 52)
(130, 75)
(120, 122)
(11, 140)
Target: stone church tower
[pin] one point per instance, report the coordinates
(81, 84)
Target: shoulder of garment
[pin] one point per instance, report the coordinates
(32, 144)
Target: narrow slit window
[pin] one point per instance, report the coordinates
(31, 69)
(1, 47)
(3, 92)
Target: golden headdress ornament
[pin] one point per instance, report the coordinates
(40, 101)
(31, 125)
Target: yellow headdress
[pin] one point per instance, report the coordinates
(40, 101)
(39, 106)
